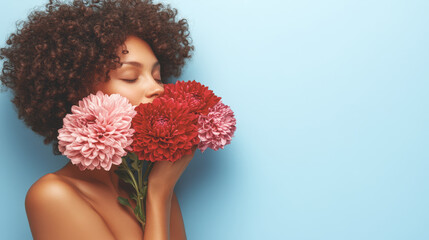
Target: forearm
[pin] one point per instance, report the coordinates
(177, 227)
(158, 211)
(161, 208)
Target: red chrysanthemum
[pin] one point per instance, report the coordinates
(165, 130)
(198, 97)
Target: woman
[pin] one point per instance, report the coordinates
(64, 53)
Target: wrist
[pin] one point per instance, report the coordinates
(160, 193)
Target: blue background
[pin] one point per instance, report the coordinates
(331, 99)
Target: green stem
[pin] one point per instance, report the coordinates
(139, 173)
(149, 167)
(130, 173)
(140, 185)
(145, 183)
(140, 196)
(136, 187)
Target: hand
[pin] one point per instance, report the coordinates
(164, 175)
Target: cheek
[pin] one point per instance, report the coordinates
(133, 100)
(127, 91)
(131, 94)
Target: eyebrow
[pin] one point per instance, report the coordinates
(137, 64)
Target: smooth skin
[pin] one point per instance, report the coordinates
(74, 204)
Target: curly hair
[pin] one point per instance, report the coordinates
(58, 54)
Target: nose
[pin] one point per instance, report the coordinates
(153, 90)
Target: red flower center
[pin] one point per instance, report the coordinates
(195, 100)
(161, 122)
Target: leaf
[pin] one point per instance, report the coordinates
(135, 164)
(138, 212)
(121, 166)
(124, 202)
(133, 156)
(133, 196)
(124, 176)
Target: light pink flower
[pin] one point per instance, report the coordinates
(217, 128)
(98, 131)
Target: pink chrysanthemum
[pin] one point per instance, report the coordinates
(98, 131)
(217, 128)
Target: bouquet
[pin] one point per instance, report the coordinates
(104, 130)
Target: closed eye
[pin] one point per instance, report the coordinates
(129, 80)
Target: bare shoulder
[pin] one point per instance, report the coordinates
(48, 187)
(56, 210)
